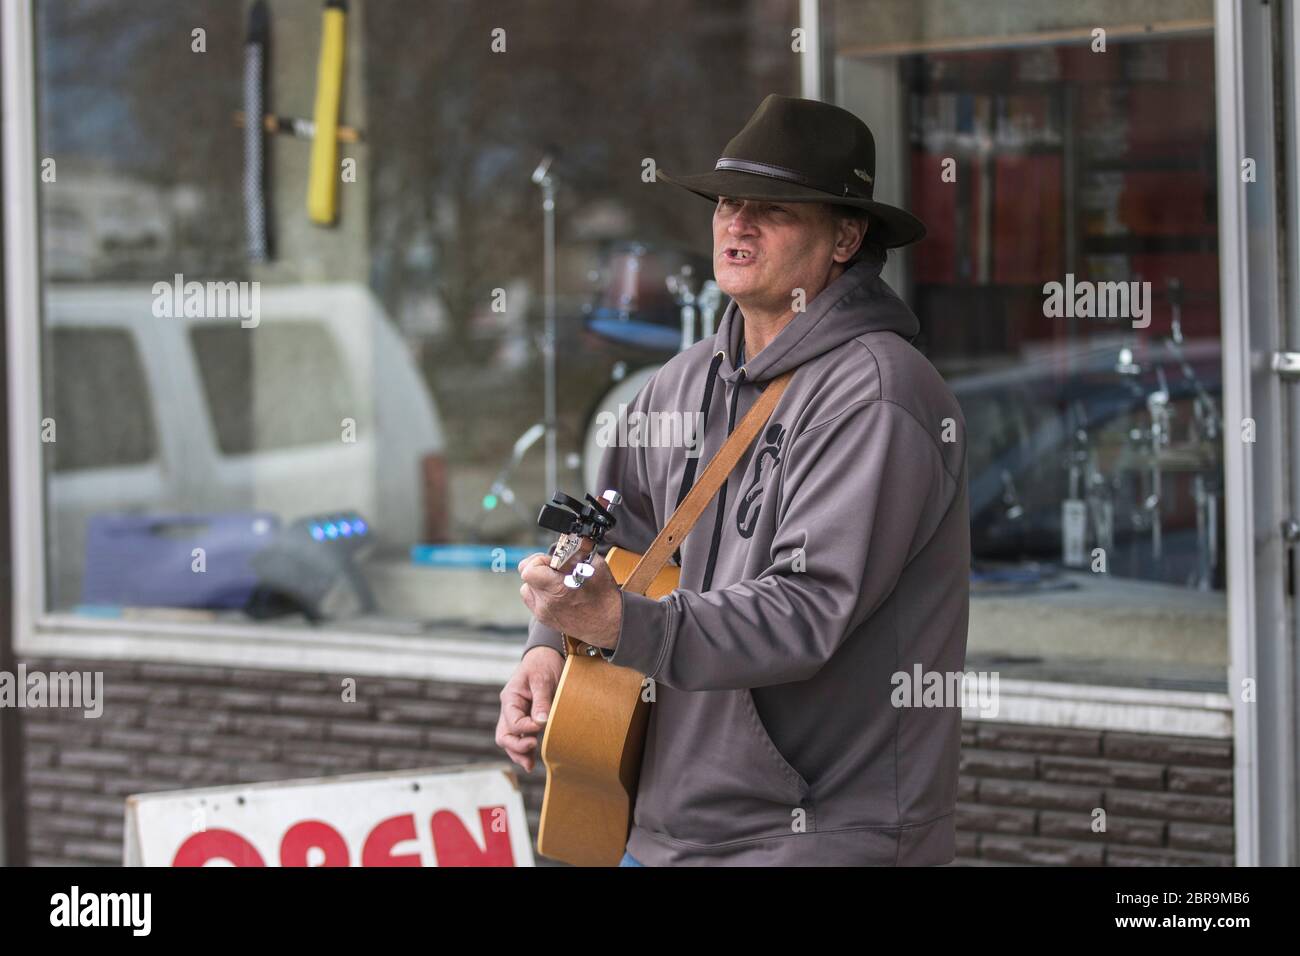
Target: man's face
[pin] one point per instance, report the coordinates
(763, 251)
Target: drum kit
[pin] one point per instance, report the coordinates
(1138, 486)
(648, 303)
(652, 301)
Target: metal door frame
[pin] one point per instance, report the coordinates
(1258, 474)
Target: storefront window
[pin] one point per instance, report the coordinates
(348, 433)
(1064, 162)
(344, 434)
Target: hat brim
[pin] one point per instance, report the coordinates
(889, 225)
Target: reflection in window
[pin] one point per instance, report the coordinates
(101, 408)
(1077, 169)
(417, 315)
(1094, 442)
(272, 387)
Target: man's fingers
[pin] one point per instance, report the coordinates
(542, 577)
(519, 719)
(514, 743)
(602, 568)
(515, 708)
(541, 686)
(518, 747)
(525, 760)
(532, 559)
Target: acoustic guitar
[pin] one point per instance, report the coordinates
(592, 745)
(595, 734)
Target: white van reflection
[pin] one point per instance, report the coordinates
(318, 409)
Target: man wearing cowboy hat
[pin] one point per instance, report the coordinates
(803, 670)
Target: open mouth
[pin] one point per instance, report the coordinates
(738, 255)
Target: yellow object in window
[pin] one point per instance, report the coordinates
(322, 183)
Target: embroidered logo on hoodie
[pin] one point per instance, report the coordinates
(765, 462)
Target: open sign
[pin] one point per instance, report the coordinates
(467, 816)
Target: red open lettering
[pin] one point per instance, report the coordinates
(217, 845)
(456, 847)
(378, 849)
(301, 837)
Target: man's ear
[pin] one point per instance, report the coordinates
(850, 233)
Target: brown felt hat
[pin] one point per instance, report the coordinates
(795, 150)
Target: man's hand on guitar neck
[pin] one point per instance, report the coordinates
(592, 613)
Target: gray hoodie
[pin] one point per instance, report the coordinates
(836, 557)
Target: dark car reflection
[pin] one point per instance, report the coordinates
(1132, 431)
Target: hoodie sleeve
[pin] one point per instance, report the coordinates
(622, 470)
(859, 495)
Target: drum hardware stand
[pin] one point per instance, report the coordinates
(1011, 498)
(1101, 505)
(1205, 491)
(1158, 409)
(1155, 437)
(542, 177)
(1089, 512)
(685, 297)
(501, 490)
(546, 428)
(1205, 431)
(1074, 509)
(628, 297)
(708, 300)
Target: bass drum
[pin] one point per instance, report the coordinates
(620, 396)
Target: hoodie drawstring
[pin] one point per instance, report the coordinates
(692, 462)
(722, 495)
(688, 478)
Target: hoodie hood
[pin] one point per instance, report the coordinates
(858, 301)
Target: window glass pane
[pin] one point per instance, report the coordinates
(392, 380)
(350, 433)
(275, 387)
(102, 415)
(1068, 291)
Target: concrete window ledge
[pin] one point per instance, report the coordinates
(468, 655)
(456, 654)
(1132, 709)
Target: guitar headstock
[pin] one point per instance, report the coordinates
(581, 526)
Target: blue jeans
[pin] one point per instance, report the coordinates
(629, 860)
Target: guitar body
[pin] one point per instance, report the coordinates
(592, 745)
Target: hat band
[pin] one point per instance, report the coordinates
(780, 172)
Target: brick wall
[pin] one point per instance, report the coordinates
(169, 727)
(1027, 793)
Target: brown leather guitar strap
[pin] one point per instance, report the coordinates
(708, 485)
